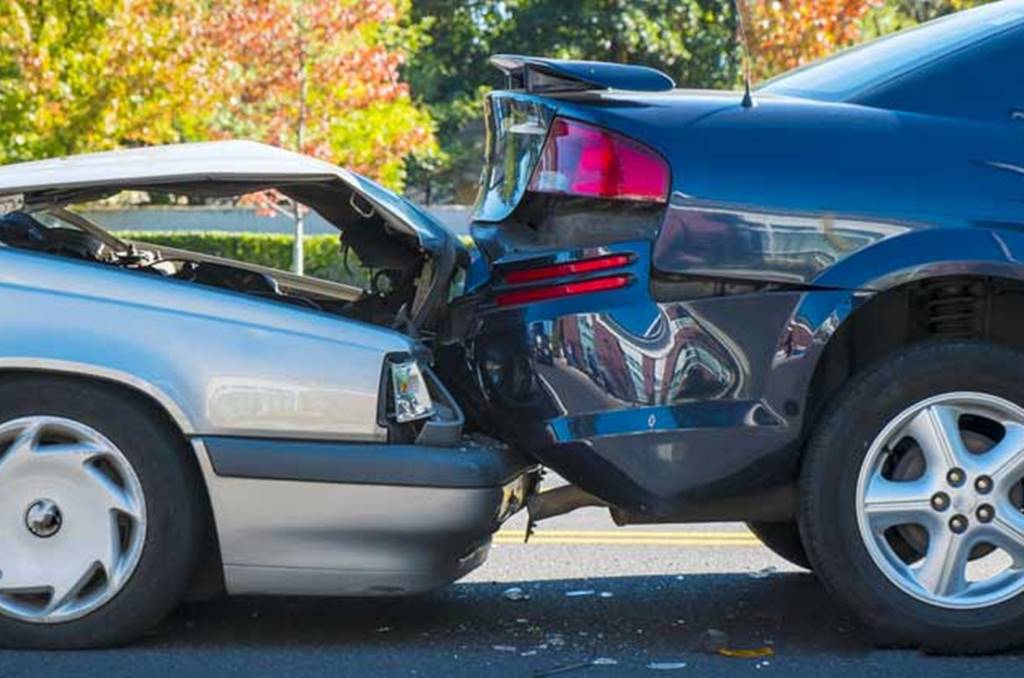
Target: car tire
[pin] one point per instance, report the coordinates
(783, 539)
(121, 474)
(870, 522)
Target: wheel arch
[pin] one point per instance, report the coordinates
(155, 395)
(208, 579)
(981, 300)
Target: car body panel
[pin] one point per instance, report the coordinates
(283, 402)
(338, 538)
(232, 365)
(693, 385)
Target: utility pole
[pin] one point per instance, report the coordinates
(299, 249)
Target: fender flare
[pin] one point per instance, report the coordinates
(839, 292)
(170, 406)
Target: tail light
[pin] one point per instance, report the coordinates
(526, 296)
(583, 266)
(584, 160)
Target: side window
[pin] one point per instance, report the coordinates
(984, 82)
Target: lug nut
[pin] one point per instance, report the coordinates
(940, 502)
(983, 484)
(958, 524)
(986, 513)
(956, 477)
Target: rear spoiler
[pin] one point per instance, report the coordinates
(537, 74)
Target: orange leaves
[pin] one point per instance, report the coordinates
(321, 76)
(300, 74)
(784, 34)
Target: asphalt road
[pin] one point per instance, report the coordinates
(602, 601)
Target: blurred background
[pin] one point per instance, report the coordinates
(388, 88)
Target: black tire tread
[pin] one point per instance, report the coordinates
(887, 619)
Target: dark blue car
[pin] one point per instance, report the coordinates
(804, 311)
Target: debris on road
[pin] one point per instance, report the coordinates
(607, 594)
(713, 640)
(580, 593)
(565, 668)
(747, 653)
(515, 593)
(666, 666)
(504, 648)
(764, 572)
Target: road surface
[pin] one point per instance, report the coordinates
(602, 602)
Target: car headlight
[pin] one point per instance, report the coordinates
(409, 394)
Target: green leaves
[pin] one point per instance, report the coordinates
(319, 76)
(692, 40)
(323, 252)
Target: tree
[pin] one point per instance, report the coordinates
(895, 15)
(784, 34)
(692, 40)
(320, 77)
(77, 76)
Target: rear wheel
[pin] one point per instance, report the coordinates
(783, 539)
(100, 512)
(912, 498)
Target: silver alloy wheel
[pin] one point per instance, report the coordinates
(929, 503)
(73, 517)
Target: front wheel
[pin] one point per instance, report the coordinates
(100, 514)
(912, 502)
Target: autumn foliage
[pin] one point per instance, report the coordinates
(321, 76)
(784, 34)
(318, 76)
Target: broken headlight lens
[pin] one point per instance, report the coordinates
(410, 396)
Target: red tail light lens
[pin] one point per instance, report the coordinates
(580, 267)
(613, 282)
(584, 160)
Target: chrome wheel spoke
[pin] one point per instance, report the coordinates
(1007, 532)
(20, 449)
(962, 500)
(64, 589)
(937, 433)
(943, 571)
(888, 503)
(1005, 461)
(111, 496)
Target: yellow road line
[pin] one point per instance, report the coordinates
(630, 538)
(634, 533)
(624, 542)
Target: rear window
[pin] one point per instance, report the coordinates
(516, 131)
(855, 70)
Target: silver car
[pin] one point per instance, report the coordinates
(170, 420)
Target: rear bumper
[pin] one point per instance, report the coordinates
(311, 518)
(662, 408)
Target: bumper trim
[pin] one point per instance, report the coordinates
(466, 466)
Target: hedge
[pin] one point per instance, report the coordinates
(322, 253)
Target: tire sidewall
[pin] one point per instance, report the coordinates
(170, 487)
(832, 470)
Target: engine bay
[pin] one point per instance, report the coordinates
(396, 270)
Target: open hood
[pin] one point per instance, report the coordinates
(388, 233)
(211, 168)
